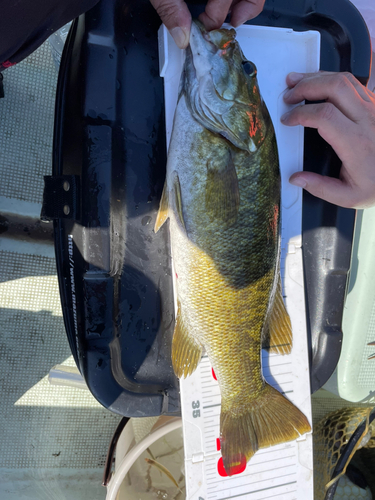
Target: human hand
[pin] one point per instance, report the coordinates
(176, 16)
(347, 122)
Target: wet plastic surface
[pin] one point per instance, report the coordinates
(114, 272)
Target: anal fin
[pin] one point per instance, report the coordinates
(186, 352)
(278, 337)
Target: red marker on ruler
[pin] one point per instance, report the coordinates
(238, 463)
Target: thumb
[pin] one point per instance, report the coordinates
(327, 188)
(176, 17)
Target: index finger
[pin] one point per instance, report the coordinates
(215, 13)
(293, 79)
(337, 88)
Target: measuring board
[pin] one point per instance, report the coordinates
(283, 472)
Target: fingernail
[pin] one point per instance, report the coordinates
(295, 77)
(285, 116)
(298, 181)
(180, 37)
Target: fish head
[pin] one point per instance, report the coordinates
(205, 47)
(222, 89)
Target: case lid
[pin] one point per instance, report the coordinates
(114, 272)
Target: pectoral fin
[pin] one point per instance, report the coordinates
(178, 201)
(278, 336)
(163, 212)
(186, 352)
(222, 191)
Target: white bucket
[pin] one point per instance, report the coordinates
(138, 436)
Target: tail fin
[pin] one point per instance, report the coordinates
(270, 420)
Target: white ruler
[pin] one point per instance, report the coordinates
(283, 472)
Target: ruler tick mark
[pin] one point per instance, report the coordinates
(262, 481)
(258, 491)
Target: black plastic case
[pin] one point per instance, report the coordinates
(108, 173)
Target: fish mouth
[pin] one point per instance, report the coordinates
(200, 43)
(198, 24)
(189, 68)
(200, 52)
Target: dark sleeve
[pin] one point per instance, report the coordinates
(26, 24)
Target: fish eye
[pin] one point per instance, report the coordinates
(249, 68)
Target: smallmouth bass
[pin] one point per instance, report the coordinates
(222, 196)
